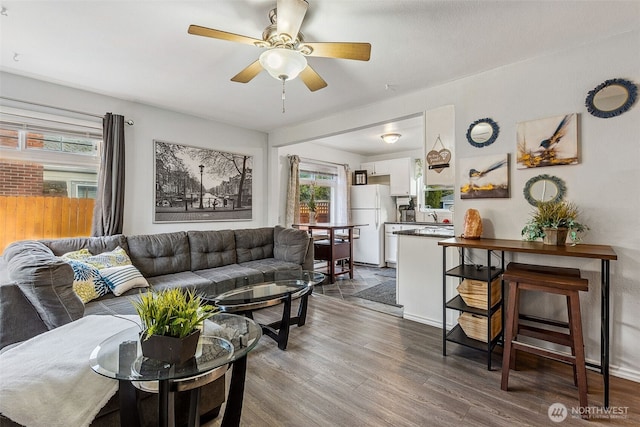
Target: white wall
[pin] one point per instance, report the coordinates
(154, 123)
(604, 184)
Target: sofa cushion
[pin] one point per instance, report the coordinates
(158, 254)
(268, 266)
(185, 280)
(45, 280)
(230, 277)
(95, 245)
(290, 244)
(211, 248)
(252, 244)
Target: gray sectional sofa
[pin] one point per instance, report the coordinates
(36, 285)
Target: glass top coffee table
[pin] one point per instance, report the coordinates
(285, 287)
(225, 339)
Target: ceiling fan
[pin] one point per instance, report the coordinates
(286, 49)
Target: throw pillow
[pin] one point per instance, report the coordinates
(80, 255)
(115, 258)
(87, 282)
(122, 278)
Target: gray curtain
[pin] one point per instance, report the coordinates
(108, 212)
(293, 192)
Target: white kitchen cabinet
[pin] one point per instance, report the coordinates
(401, 174)
(382, 167)
(391, 241)
(402, 180)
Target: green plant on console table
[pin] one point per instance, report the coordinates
(561, 214)
(172, 312)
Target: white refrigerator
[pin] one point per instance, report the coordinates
(371, 205)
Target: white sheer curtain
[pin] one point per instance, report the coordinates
(343, 184)
(293, 192)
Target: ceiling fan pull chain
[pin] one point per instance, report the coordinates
(283, 96)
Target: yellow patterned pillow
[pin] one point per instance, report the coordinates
(116, 258)
(87, 282)
(80, 255)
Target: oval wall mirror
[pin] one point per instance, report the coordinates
(482, 132)
(544, 188)
(611, 98)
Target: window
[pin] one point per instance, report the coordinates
(47, 155)
(321, 181)
(438, 197)
(48, 175)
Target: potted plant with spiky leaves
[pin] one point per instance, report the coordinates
(171, 321)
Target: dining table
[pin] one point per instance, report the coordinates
(333, 242)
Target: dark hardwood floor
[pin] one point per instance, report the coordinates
(352, 366)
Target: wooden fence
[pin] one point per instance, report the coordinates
(323, 210)
(38, 217)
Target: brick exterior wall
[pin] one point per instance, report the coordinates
(19, 178)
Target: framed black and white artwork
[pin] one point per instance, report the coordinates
(194, 184)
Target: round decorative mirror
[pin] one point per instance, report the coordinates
(611, 98)
(482, 132)
(544, 188)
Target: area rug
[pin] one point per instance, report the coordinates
(384, 293)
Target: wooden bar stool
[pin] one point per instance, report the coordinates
(555, 280)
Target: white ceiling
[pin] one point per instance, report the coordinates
(140, 50)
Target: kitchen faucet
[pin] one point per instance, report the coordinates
(434, 215)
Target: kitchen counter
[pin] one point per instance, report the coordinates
(430, 230)
(444, 224)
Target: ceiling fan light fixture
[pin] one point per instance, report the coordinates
(390, 138)
(283, 64)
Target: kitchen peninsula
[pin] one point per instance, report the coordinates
(419, 272)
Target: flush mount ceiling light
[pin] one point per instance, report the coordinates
(390, 138)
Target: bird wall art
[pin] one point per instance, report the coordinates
(552, 141)
(484, 177)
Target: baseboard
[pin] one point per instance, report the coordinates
(625, 373)
(421, 319)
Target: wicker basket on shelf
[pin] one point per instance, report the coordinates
(474, 292)
(475, 326)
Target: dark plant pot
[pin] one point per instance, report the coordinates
(555, 236)
(170, 349)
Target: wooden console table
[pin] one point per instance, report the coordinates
(602, 252)
(333, 246)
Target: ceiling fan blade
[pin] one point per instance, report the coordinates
(222, 35)
(289, 15)
(312, 79)
(248, 73)
(357, 51)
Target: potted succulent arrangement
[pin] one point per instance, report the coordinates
(553, 221)
(171, 321)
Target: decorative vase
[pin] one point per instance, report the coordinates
(169, 349)
(555, 236)
(312, 217)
